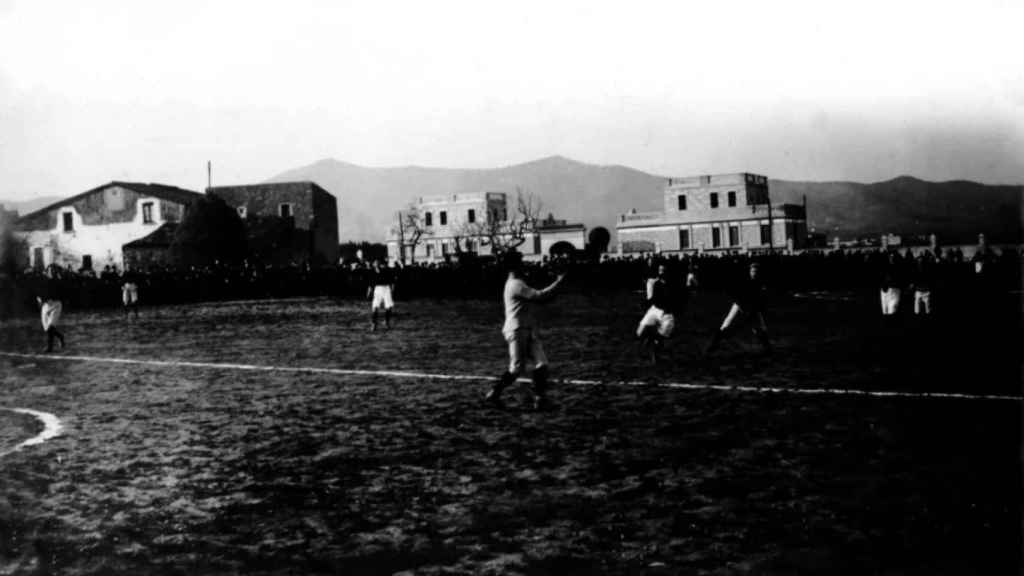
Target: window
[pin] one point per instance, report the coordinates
(734, 235)
(87, 262)
(69, 222)
(444, 246)
(716, 237)
(147, 212)
(284, 210)
(430, 250)
(714, 199)
(681, 199)
(242, 212)
(443, 217)
(684, 239)
(766, 234)
(732, 198)
(428, 219)
(471, 216)
(37, 258)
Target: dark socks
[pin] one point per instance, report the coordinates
(715, 341)
(506, 380)
(540, 381)
(51, 335)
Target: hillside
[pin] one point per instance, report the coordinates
(368, 197)
(595, 195)
(31, 205)
(955, 211)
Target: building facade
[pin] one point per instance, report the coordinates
(459, 223)
(725, 212)
(302, 213)
(88, 231)
(450, 224)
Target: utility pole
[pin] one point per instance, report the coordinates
(401, 238)
(209, 175)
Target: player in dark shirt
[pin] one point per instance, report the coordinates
(748, 302)
(381, 290)
(664, 299)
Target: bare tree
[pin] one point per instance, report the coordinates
(524, 219)
(410, 231)
(508, 233)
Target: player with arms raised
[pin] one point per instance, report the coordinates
(520, 331)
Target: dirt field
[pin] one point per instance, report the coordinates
(166, 469)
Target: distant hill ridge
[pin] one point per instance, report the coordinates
(595, 195)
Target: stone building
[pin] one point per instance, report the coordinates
(455, 223)
(89, 230)
(302, 217)
(724, 212)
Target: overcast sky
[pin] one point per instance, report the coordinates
(149, 91)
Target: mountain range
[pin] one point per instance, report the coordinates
(955, 211)
(368, 198)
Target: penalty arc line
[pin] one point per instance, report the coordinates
(477, 378)
(52, 427)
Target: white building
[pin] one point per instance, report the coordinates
(88, 231)
(721, 212)
(452, 224)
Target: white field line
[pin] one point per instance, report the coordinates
(477, 378)
(52, 427)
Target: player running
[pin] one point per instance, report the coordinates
(381, 290)
(50, 309)
(665, 300)
(748, 302)
(520, 331)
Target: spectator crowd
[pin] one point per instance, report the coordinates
(943, 272)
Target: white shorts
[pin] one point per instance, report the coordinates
(657, 318)
(50, 314)
(922, 302)
(130, 294)
(524, 347)
(890, 301)
(382, 297)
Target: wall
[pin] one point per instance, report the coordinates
(548, 238)
(265, 200)
(99, 232)
(698, 198)
(666, 237)
(325, 226)
(314, 213)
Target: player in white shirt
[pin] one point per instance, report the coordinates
(520, 331)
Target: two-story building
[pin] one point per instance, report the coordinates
(89, 230)
(461, 223)
(723, 212)
(304, 210)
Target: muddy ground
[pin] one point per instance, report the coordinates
(184, 470)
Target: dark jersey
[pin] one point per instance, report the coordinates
(382, 277)
(50, 290)
(749, 294)
(667, 296)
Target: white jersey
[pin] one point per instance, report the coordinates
(519, 305)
